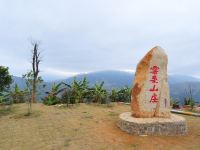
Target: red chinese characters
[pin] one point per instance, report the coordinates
(154, 80)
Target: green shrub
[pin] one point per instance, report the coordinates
(122, 95)
(5, 98)
(52, 97)
(175, 103)
(17, 95)
(50, 100)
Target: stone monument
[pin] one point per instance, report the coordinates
(150, 100)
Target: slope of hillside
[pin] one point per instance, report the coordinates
(19, 81)
(173, 79)
(112, 79)
(181, 90)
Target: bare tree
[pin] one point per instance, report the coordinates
(36, 59)
(32, 78)
(189, 99)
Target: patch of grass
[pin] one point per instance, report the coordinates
(88, 117)
(65, 106)
(111, 113)
(34, 114)
(76, 129)
(135, 146)
(109, 105)
(6, 110)
(67, 142)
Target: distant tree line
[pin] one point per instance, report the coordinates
(62, 93)
(81, 92)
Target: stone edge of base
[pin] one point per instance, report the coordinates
(175, 126)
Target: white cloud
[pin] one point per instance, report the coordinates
(54, 73)
(128, 70)
(60, 73)
(197, 76)
(89, 35)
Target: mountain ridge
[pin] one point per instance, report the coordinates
(118, 79)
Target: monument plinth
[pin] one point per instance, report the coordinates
(150, 99)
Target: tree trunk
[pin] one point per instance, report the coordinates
(34, 93)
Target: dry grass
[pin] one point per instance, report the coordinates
(83, 127)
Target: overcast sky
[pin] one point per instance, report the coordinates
(92, 35)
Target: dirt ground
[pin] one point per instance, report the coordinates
(85, 127)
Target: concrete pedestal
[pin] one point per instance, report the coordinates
(175, 125)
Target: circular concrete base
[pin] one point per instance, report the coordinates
(176, 125)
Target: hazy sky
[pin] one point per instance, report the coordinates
(92, 35)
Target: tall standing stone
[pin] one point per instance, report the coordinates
(150, 100)
(150, 93)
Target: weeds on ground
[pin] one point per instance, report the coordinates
(34, 114)
(6, 110)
